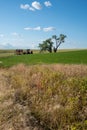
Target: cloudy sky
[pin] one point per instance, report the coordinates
(26, 23)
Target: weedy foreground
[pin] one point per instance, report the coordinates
(43, 97)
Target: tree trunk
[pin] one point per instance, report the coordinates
(55, 49)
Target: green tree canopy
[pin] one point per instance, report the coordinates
(47, 45)
(58, 41)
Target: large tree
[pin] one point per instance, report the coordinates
(46, 45)
(58, 41)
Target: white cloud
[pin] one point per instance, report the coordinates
(47, 3)
(27, 7)
(48, 29)
(36, 28)
(1, 35)
(27, 28)
(36, 5)
(31, 8)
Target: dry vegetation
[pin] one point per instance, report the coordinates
(43, 97)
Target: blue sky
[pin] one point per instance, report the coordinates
(26, 23)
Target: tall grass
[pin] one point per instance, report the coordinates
(54, 95)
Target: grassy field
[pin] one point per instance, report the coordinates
(43, 97)
(67, 57)
(49, 94)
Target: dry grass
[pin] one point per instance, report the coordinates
(43, 97)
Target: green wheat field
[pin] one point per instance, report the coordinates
(8, 58)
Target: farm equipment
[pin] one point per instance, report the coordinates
(21, 51)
